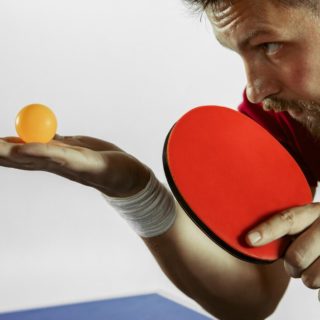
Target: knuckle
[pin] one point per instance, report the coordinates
(310, 281)
(315, 205)
(287, 216)
(296, 258)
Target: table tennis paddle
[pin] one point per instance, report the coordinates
(228, 173)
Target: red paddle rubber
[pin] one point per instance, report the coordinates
(229, 174)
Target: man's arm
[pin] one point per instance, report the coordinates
(225, 286)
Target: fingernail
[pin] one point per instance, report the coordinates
(254, 237)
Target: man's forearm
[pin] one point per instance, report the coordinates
(223, 285)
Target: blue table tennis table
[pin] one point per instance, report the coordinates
(140, 307)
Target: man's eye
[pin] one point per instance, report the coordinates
(271, 48)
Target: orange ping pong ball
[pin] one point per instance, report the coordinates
(36, 123)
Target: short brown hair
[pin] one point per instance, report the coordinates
(200, 5)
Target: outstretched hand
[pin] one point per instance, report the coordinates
(87, 160)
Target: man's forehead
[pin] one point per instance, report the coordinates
(241, 20)
(228, 12)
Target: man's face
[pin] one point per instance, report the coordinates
(280, 48)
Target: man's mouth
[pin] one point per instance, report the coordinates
(294, 112)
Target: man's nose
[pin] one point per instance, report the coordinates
(260, 84)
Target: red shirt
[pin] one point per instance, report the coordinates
(291, 134)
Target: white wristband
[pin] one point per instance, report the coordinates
(150, 212)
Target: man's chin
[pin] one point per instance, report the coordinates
(307, 113)
(311, 124)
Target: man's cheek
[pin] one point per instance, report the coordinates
(305, 80)
(298, 82)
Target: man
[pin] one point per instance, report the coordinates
(279, 42)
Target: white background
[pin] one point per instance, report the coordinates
(122, 71)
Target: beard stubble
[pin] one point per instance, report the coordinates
(305, 112)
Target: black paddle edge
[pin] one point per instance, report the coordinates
(194, 217)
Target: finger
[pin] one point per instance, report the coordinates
(73, 160)
(21, 166)
(12, 139)
(87, 142)
(304, 251)
(9, 157)
(42, 165)
(288, 222)
(75, 163)
(311, 276)
(6, 148)
(7, 151)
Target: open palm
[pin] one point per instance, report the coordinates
(87, 160)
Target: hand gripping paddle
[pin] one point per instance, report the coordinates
(228, 173)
